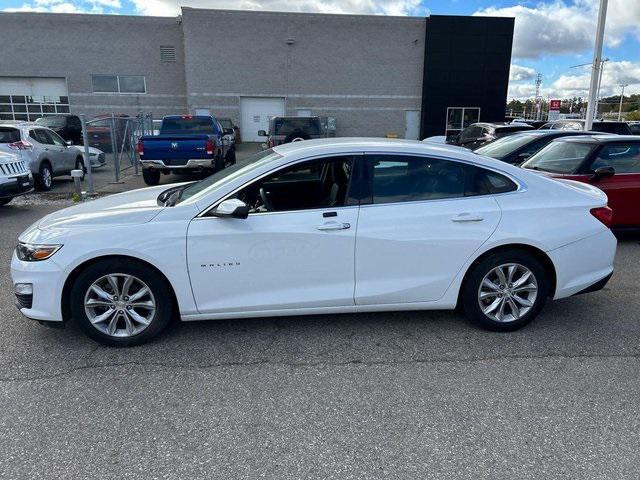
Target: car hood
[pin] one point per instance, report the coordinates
(129, 208)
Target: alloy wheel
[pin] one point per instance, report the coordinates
(507, 292)
(119, 305)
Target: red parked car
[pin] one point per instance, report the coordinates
(609, 162)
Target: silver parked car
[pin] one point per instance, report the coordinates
(44, 152)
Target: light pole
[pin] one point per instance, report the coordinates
(621, 97)
(596, 66)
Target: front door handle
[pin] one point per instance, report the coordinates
(333, 226)
(467, 217)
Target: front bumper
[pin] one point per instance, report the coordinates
(14, 186)
(47, 280)
(192, 163)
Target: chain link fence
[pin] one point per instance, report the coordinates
(116, 136)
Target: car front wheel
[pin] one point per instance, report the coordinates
(121, 303)
(505, 291)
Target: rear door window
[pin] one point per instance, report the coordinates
(40, 136)
(405, 178)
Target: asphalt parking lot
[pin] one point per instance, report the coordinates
(390, 395)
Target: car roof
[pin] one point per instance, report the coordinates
(606, 138)
(559, 133)
(21, 123)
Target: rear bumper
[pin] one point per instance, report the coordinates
(599, 285)
(582, 265)
(170, 165)
(12, 187)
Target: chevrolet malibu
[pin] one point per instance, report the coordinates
(316, 227)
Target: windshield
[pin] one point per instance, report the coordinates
(228, 174)
(177, 125)
(51, 121)
(559, 157)
(504, 146)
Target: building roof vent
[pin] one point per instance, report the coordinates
(167, 53)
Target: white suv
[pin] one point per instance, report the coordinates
(15, 178)
(43, 151)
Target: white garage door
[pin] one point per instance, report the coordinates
(255, 114)
(28, 98)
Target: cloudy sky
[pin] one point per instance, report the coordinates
(550, 36)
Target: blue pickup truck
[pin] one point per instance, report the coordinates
(186, 144)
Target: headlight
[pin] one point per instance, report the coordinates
(35, 253)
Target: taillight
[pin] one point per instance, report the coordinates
(604, 214)
(20, 145)
(209, 147)
(140, 147)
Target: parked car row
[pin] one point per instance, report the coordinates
(45, 153)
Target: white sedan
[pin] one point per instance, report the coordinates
(320, 226)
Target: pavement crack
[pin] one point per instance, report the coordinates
(353, 362)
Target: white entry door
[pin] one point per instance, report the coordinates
(412, 124)
(255, 113)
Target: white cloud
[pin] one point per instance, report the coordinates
(565, 27)
(385, 7)
(67, 6)
(519, 73)
(577, 85)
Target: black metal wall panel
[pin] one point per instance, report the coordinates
(466, 64)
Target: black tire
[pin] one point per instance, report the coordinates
(470, 291)
(219, 164)
(151, 177)
(158, 286)
(231, 156)
(44, 178)
(4, 201)
(80, 166)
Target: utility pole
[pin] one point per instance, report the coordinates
(538, 83)
(621, 97)
(596, 66)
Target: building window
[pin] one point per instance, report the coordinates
(118, 84)
(459, 118)
(30, 108)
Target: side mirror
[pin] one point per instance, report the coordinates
(603, 172)
(69, 143)
(523, 156)
(262, 133)
(233, 208)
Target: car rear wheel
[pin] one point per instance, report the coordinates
(44, 179)
(231, 156)
(121, 303)
(151, 177)
(505, 291)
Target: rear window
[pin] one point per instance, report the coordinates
(612, 127)
(285, 126)
(9, 135)
(635, 128)
(225, 122)
(186, 125)
(560, 157)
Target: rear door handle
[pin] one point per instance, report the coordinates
(467, 217)
(333, 226)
